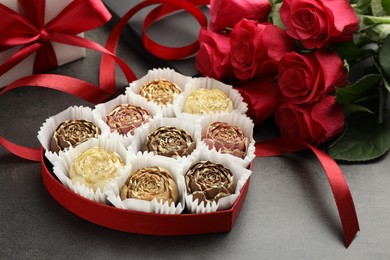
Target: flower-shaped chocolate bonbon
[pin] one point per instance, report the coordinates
(169, 141)
(226, 138)
(205, 101)
(71, 133)
(160, 91)
(125, 118)
(151, 182)
(95, 167)
(209, 182)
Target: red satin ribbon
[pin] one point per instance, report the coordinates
(33, 35)
(91, 93)
(168, 7)
(338, 184)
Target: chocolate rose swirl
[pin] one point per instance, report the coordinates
(95, 167)
(71, 133)
(160, 91)
(169, 141)
(125, 118)
(204, 101)
(149, 183)
(209, 182)
(226, 138)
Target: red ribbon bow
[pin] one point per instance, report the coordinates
(30, 31)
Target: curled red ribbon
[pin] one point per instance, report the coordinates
(338, 184)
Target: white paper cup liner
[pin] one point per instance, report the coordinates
(101, 110)
(240, 173)
(142, 160)
(66, 159)
(50, 125)
(237, 119)
(192, 129)
(208, 83)
(167, 74)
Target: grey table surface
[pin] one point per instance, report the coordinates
(289, 212)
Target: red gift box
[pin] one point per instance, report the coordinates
(35, 34)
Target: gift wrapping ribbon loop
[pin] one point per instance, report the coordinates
(338, 184)
(167, 7)
(34, 36)
(90, 92)
(172, 53)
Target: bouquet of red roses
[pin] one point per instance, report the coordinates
(320, 67)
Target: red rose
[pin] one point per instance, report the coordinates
(262, 96)
(212, 59)
(256, 49)
(318, 23)
(314, 124)
(305, 78)
(226, 13)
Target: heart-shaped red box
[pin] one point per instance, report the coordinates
(141, 222)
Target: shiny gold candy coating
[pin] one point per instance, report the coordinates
(209, 182)
(205, 101)
(160, 91)
(125, 118)
(71, 133)
(95, 167)
(169, 141)
(149, 183)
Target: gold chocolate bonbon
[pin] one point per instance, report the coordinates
(205, 101)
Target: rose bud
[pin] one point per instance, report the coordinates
(314, 124)
(306, 78)
(224, 14)
(169, 141)
(125, 118)
(209, 182)
(149, 183)
(319, 23)
(212, 59)
(226, 138)
(256, 49)
(71, 133)
(160, 91)
(96, 167)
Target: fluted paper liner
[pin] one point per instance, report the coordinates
(192, 129)
(241, 174)
(101, 110)
(66, 159)
(154, 74)
(207, 83)
(50, 125)
(141, 160)
(237, 119)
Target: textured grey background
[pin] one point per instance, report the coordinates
(289, 212)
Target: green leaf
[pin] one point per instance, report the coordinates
(362, 6)
(347, 50)
(378, 32)
(384, 57)
(377, 8)
(275, 16)
(360, 89)
(352, 108)
(387, 85)
(362, 140)
(386, 6)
